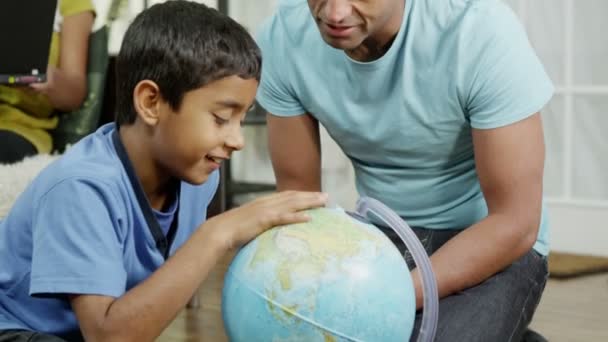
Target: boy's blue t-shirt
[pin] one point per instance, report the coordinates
(84, 226)
(405, 119)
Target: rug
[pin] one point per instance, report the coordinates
(565, 265)
(14, 178)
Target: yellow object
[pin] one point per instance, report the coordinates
(28, 113)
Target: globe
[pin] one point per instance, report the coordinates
(333, 278)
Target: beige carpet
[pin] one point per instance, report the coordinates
(564, 265)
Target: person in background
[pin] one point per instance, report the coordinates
(27, 113)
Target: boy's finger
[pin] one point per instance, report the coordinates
(291, 218)
(308, 201)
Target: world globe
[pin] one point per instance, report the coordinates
(333, 278)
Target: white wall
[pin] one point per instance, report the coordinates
(579, 228)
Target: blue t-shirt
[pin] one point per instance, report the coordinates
(165, 217)
(405, 119)
(84, 226)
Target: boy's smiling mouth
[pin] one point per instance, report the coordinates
(216, 159)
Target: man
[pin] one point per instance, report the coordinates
(436, 103)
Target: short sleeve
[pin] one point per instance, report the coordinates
(71, 7)
(505, 80)
(275, 93)
(77, 245)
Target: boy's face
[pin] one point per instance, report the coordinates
(191, 142)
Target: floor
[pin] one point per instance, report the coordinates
(571, 310)
(574, 310)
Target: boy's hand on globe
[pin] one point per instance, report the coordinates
(238, 226)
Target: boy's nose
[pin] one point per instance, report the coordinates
(235, 139)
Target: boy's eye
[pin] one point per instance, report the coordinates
(219, 120)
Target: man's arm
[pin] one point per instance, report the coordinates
(509, 164)
(295, 151)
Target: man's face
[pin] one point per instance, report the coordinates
(346, 24)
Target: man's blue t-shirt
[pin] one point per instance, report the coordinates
(405, 119)
(84, 226)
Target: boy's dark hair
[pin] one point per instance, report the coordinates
(181, 46)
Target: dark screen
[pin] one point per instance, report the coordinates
(26, 27)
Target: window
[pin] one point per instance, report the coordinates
(567, 36)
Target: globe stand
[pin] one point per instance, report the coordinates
(368, 209)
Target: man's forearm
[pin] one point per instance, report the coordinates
(294, 183)
(477, 253)
(295, 151)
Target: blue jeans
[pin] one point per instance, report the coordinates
(498, 309)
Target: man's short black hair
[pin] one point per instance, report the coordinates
(181, 46)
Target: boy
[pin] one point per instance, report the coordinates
(111, 240)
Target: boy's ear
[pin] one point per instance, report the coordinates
(147, 101)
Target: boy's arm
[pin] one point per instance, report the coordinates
(146, 310)
(295, 150)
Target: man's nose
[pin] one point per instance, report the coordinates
(336, 11)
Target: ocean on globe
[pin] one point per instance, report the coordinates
(330, 279)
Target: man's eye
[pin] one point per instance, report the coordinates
(219, 120)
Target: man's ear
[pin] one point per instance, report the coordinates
(147, 101)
